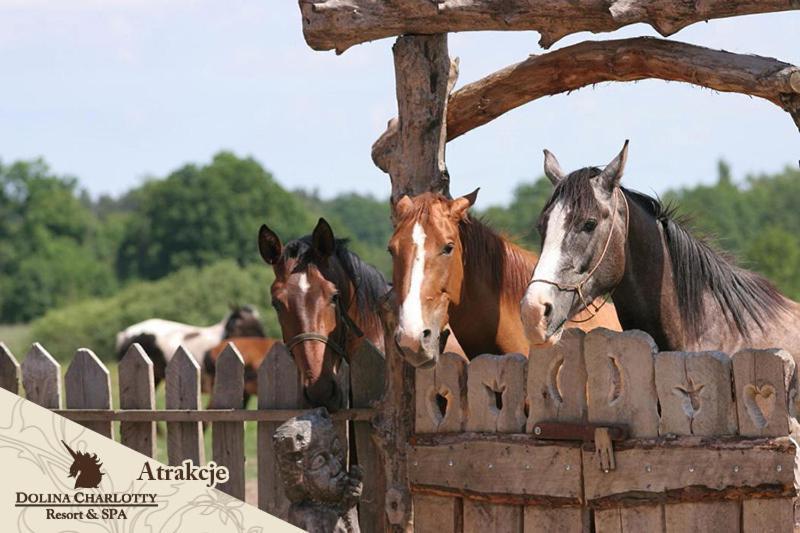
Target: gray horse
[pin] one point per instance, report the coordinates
(600, 238)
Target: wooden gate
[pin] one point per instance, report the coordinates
(708, 448)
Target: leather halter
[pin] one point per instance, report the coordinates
(578, 288)
(339, 349)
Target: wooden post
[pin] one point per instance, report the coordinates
(279, 387)
(137, 391)
(184, 439)
(41, 377)
(88, 385)
(10, 372)
(227, 438)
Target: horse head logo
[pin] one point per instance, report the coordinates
(85, 469)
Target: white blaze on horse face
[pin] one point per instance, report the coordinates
(411, 311)
(547, 267)
(303, 284)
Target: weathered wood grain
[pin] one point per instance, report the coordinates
(496, 393)
(278, 387)
(694, 391)
(441, 395)
(227, 439)
(482, 516)
(184, 439)
(629, 519)
(557, 381)
(88, 386)
(10, 371)
(41, 377)
(621, 383)
(340, 24)
(137, 391)
(437, 514)
(717, 516)
(763, 381)
(563, 519)
(773, 516)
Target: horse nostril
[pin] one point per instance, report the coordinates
(548, 308)
(426, 334)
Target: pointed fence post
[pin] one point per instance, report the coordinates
(228, 437)
(88, 385)
(184, 439)
(10, 372)
(137, 391)
(41, 377)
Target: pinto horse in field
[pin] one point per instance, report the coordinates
(327, 300)
(161, 338)
(253, 351)
(450, 266)
(602, 238)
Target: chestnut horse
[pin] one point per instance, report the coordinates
(327, 301)
(601, 237)
(449, 266)
(252, 349)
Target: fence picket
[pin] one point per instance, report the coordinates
(496, 393)
(88, 386)
(441, 395)
(227, 439)
(41, 377)
(278, 388)
(763, 380)
(137, 391)
(184, 439)
(10, 372)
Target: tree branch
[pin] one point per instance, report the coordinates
(593, 62)
(340, 24)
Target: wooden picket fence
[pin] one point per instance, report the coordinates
(87, 388)
(708, 449)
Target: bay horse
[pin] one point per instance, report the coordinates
(450, 266)
(161, 338)
(253, 351)
(600, 237)
(327, 301)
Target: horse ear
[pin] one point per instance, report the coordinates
(269, 244)
(322, 239)
(460, 205)
(552, 169)
(612, 174)
(403, 205)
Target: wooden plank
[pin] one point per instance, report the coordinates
(279, 387)
(205, 415)
(557, 381)
(437, 514)
(367, 375)
(41, 377)
(717, 516)
(621, 383)
(563, 519)
(523, 467)
(769, 516)
(763, 379)
(496, 393)
(88, 386)
(137, 391)
(227, 439)
(342, 427)
(693, 462)
(10, 372)
(441, 395)
(184, 439)
(629, 519)
(485, 517)
(694, 390)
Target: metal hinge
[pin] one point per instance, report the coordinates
(603, 437)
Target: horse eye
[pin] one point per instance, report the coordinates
(589, 225)
(448, 248)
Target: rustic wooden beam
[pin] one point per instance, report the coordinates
(340, 24)
(591, 62)
(204, 415)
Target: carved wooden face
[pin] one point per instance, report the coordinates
(325, 478)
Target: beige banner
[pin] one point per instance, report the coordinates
(43, 457)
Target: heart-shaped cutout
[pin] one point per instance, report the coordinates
(759, 402)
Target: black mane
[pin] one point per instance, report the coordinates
(697, 265)
(370, 284)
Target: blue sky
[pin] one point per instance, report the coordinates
(114, 91)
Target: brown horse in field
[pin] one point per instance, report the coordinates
(327, 300)
(252, 349)
(602, 237)
(449, 266)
